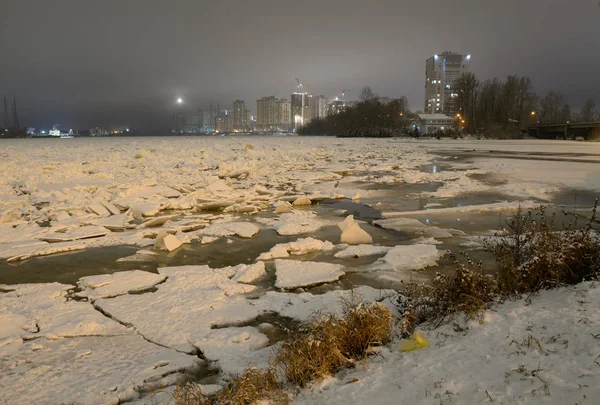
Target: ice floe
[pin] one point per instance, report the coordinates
(292, 274)
(112, 285)
(299, 247)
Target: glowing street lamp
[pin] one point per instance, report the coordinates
(533, 113)
(180, 101)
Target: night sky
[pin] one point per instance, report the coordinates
(83, 63)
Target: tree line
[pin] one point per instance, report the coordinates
(370, 117)
(495, 105)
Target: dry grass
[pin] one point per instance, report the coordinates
(363, 327)
(190, 394)
(248, 388)
(328, 343)
(252, 386)
(311, 354)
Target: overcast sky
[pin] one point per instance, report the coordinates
(82, 63)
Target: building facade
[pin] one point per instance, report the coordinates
(240, 116)
(441, 72)
(301, 109)
(224, 124)
(429, 124)
(319, 106)
(273, 114)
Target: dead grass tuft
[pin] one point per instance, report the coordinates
(328, 343)
(190, 394)
(312, 354)
(252, 386)
(363, 327)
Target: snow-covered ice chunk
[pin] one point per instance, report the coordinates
(89, 371)
(112, 285)
(302, 306)
(45, 312)
(299, 247)
(352, 233)
(171, 242)
(185, 308)
(235, 348)
(224, 229)
(302, 201)
(292, 274)
(99, 209)
(294, 223)
(249, 273)
(362, 251)
(85, 232)
(408, 257)
(411, 225)
(145, 209)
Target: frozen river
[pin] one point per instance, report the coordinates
(203, 233)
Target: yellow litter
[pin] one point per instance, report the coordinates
(416, 341)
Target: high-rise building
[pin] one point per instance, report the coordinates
(301, 109)
(224, 123)
(273, 114)
(319, 106)
(441, 72)
(240, 116)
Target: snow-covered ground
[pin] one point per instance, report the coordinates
(400, 205)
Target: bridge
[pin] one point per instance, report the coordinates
(585, 130)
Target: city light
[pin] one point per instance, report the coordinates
(179, 101)
(532, 113)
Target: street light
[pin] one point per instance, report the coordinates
(533, 113)
(179, 101)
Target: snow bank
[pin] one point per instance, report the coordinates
(542, 351)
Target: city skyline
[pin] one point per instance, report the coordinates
(126, 63)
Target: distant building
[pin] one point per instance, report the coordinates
(337, 106)
(319, 106)
(441, 72)
(301, 109)
(273, 114)
(434, 123)
(189, 122)
(98, 132)
(224, 123)
(240, 116)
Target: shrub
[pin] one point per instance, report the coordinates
(533, 254)
(468, 289)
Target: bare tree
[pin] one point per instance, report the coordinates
(466, 87)
(588, 111)
(367, 94)
(552, 108)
